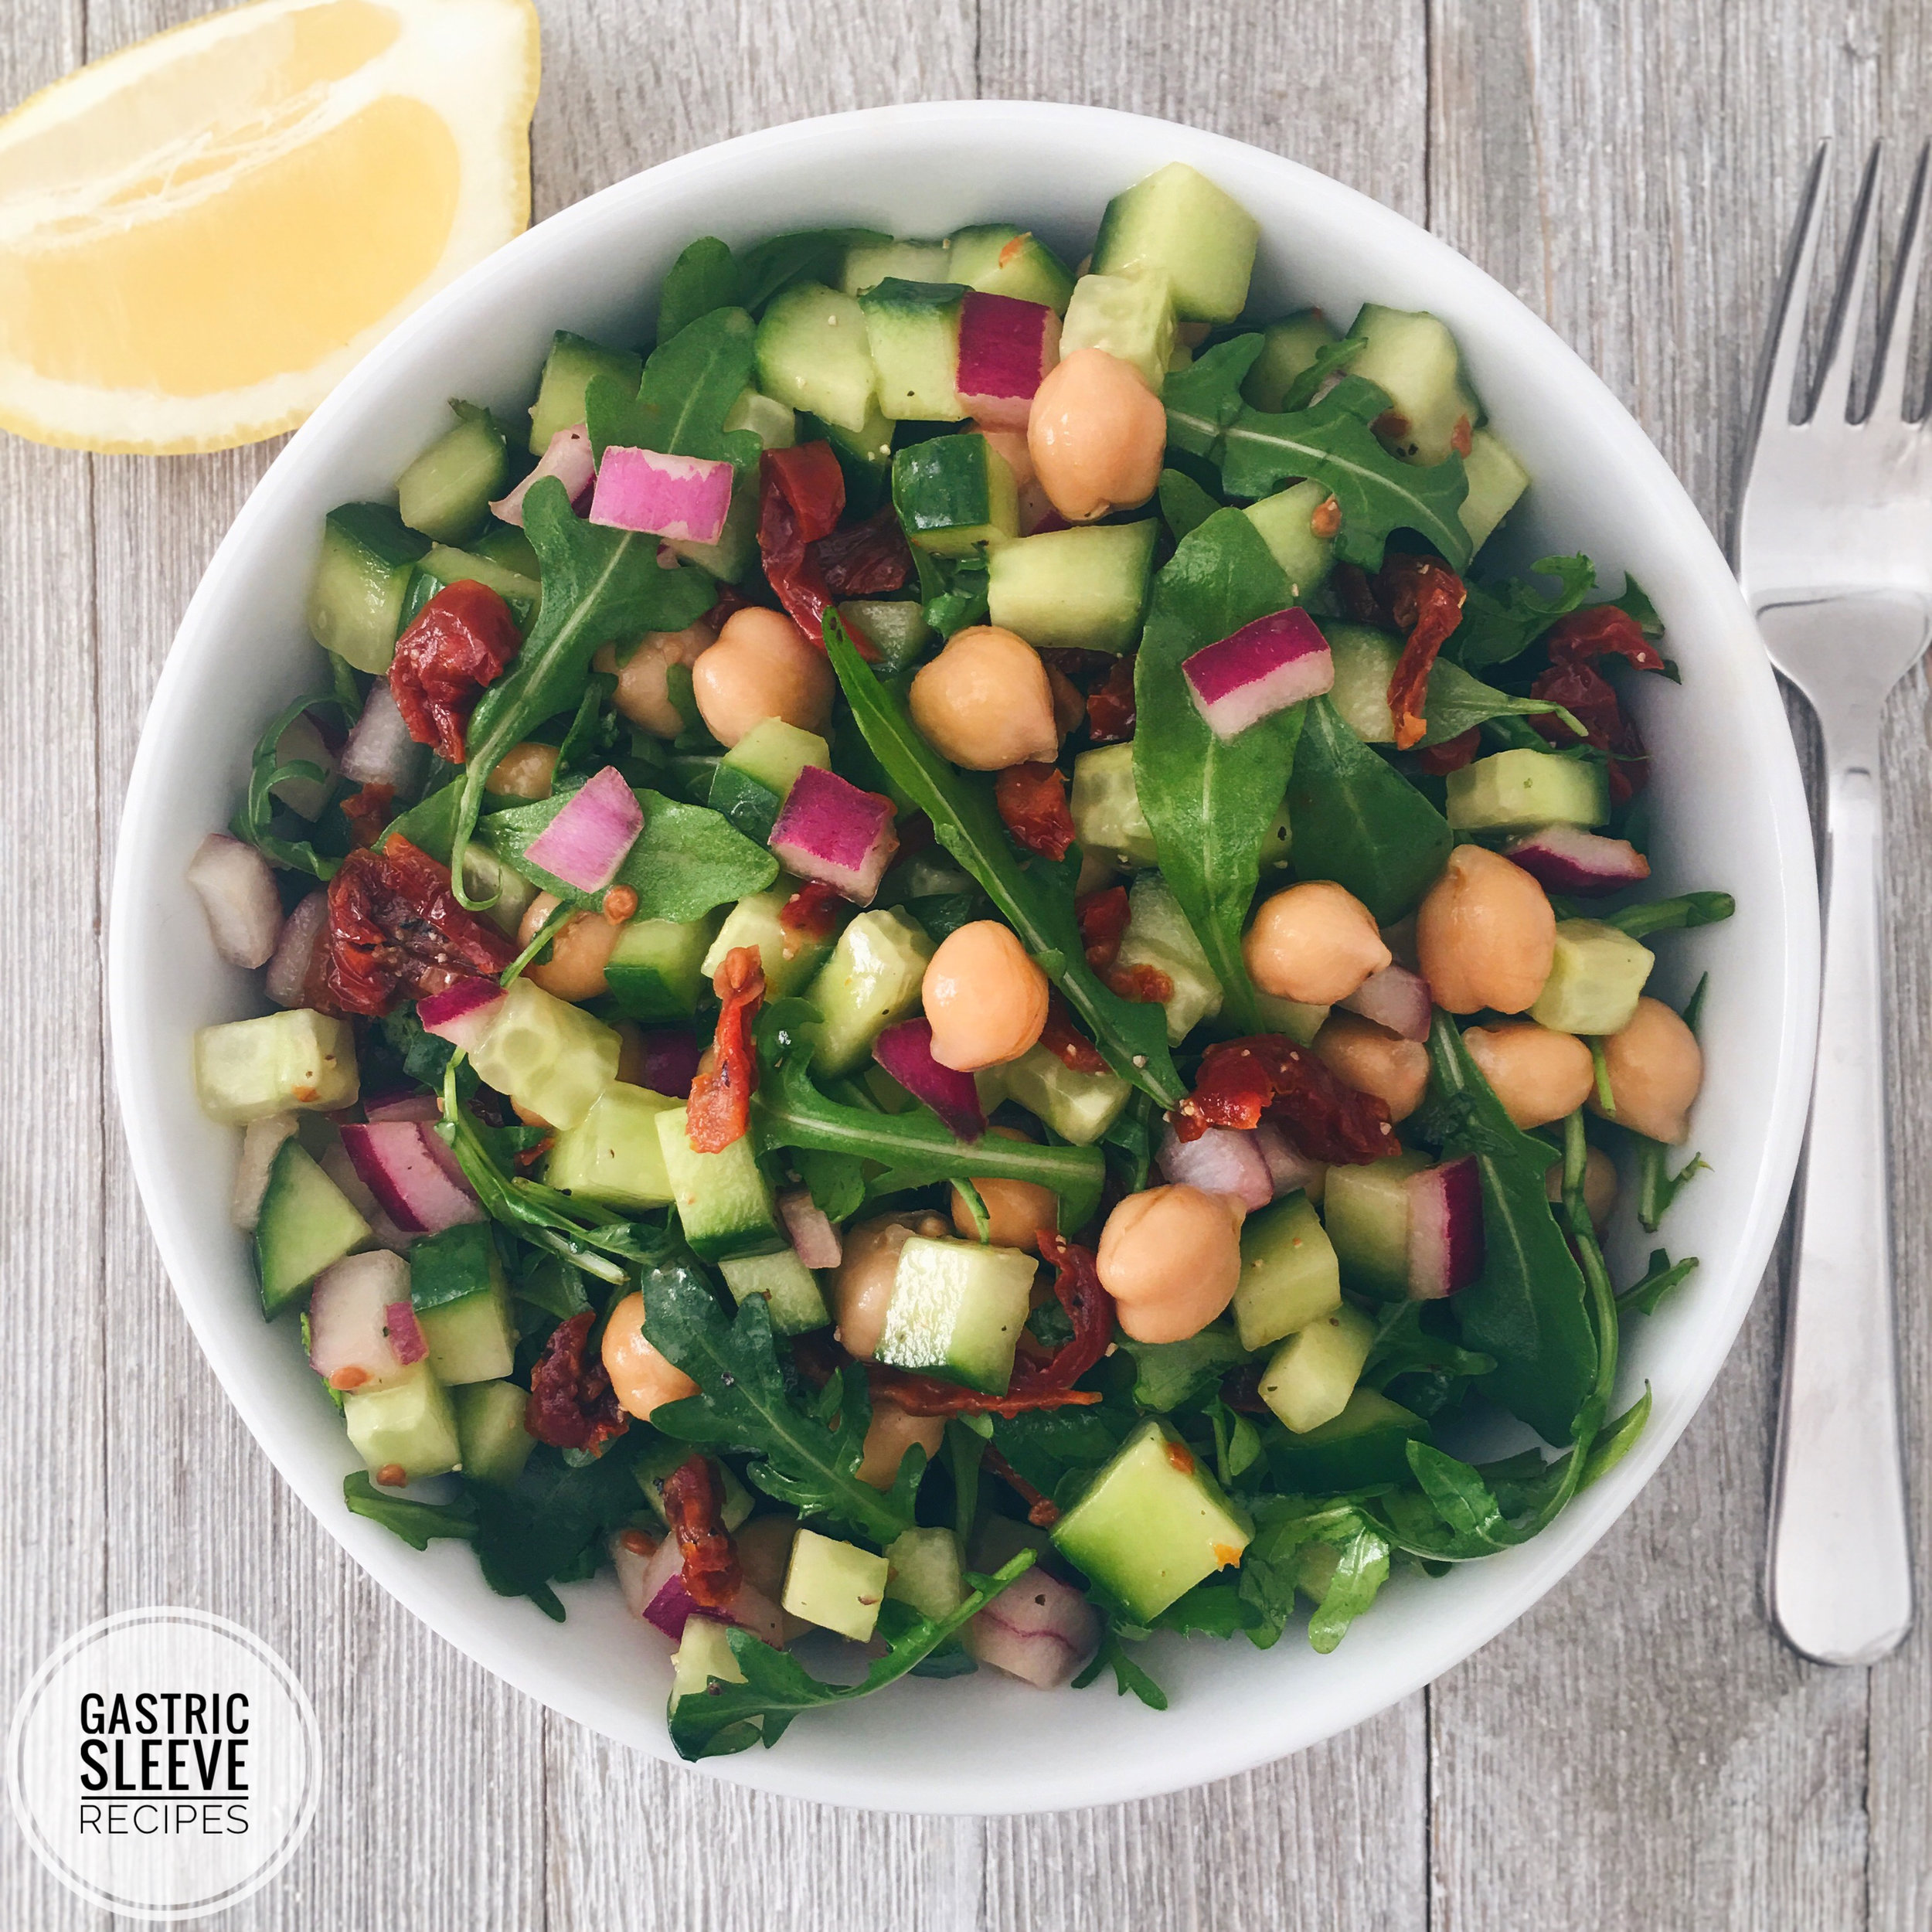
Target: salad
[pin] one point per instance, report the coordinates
(950, 969)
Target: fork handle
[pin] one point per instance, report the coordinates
(1839, 1580)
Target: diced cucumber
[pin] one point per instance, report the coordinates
(864, 458)
(703, 1655)
(1079, 1107)
(912, 328)
(797, 1302)
(301, 742)
(1414, 358)
(999, 260)
(567, 371)
(1286, 523)
(1314, 1372)
(836, 1586)
(446, 493)
(1366, 1212)
(361, 578)
(656, 1467)
(1519, 790)
(723, 1200)
(552, 1060)
(655, 968)
(1158, 935)
(954, 492)
(925, 1571)
(298, 1061)
(732, 554)
(1196, 234)
(489, 1431)
(956, 1311)
(1152, 1525)
(749, 803)
(1596, 977)
(306, 1224)
(462, 1304)
(1366, 1444)
(409, 1426)
(1496, 479)
(1296, 1017)
(774, 753)
(896, 628)
(868, 264)
(789, 959)
(1288, 349)
(441, 566)
(1106, 807)
(871, 981)
(812, 355)
(1129, 316)
(1289, 1275)
(613, 1155)
(1365, 661)
(505, 544)
(774, 423)
(1080, 589)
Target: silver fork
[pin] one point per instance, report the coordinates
(1834, 548)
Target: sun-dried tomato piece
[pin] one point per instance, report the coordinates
(1242, 1082)
(395, 932)
(1109, 705)
(694, 1507)
(812, 911)
(1361, 597)
(461, 642)
(866, 561)
(1032, 800)
(1145, 985)
(1601, 631)
(368, 811)
(1574, 680)
(1452, 754)
(572, 1405)
(1061, 1038)
(1425, 600)
(719, 1109)
(802, 495)
(1103, 920)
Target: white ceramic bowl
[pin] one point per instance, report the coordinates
(1730, 811)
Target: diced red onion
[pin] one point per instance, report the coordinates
(589, 839)
(350, 1342)
(1263, 668)
(413, 1175)
(906, 1052)
(1445, 1229)
(829, 829)
(405, 1104)
(464, 1013)
(287, 978)
(260, 1144)
(380, 750)
(666, 1602)
(1568, 859)
(302, 742)
(1394, 997)
(1005, 347)
(237, 887)
(671, 1057)
(405, 1334)
(684, 499)
(337, 1166)
(814, 1238)
(1225, 1160)
(1289, 1168)
(569, 458)
(1038, 1628)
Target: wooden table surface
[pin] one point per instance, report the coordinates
(1641, 1752)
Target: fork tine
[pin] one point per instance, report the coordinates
(1833, 402)
(1901, 308)
(1778, 372)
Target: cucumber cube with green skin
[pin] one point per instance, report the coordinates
(361, 577)
(552, 1058)
(613, 1155)
(912, 328)
(656, 967)
(1296, 1017)
(656, 1467)
(1520, 791)
(999, 260)
(306, 1224)
(441, 566)
(447, 492)
(1288, 349)
(1286, 522)
(489, 1431)
(864, 458)
(1129, 316)
(1366, 1444)
(895, 627)
(723, 1200)
(703, 1655)
(1152, 1525)
(504, 543)
(1365, 661)
(299, 1060)
(1197, 234)
(1079, 1107)
(956, 1311)
(954, 493)
(567, 371)
(775, 424)
(1412, 357)
(1290, 1276)
(1496, 479)
(1158, 935)
(774, 753)
(753, 921)
(791, 1290)
(410, 1425)
(1314, 1372)
(924, 1570)
(1079, 589)
(1106, 806)
(812, 355)
(1596, 976)
(868, 264)
(462, 1304)
(836, 1586)
(1365, 1211)
(731, 555)
(872, 981)
(749, 803)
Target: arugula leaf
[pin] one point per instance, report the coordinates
(1237, 1443)
(424, 1057)
(599, 585)
(253, 823)
(1210, 1610)
(952, 591)
(1673, 915)
(1035, 898)
(1656, 1187)
(549, 1528)
(1127, 1674)
(1209, 800)
(1403, 1346)
(704, 277)
(1330, 359)
(1184, 505)
(1663, 1275)
(1457, 703)
(810, 254)
(836, 1182)
(416, 1523)
(688, 387)
(1204, 401)
(1288, 1530)
(1502, 621)
(1048, 1447)
(1171, 1375)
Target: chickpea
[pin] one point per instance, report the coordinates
(1015, 1210)
(862, 1289)
(1097, 434)
(1656, 1068)
(580, 950)
(1313, 942)
(641, 1378)
(985, 702)
(986, 999)
(1538, 1075)
(1485, 935)
(891, 1431)
(644, 679)
(1373, 1060)
(1600, 1186)
(526, 770)
(1171, 1257)
(763, 666)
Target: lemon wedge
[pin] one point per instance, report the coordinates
(199, 235)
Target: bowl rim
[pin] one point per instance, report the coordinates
(1123, 1778)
